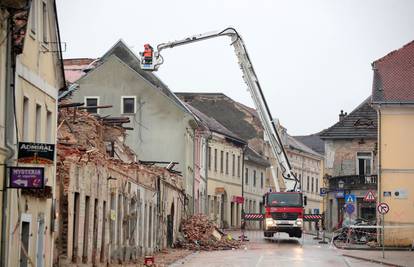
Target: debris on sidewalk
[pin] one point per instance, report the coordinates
(199, 233)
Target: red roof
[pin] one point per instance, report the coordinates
(74, 68)
(394, 77)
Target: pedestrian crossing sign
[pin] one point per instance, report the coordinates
(350, 198)
(369, 196)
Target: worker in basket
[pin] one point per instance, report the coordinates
(148, 52)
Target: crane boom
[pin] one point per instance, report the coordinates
(151, 60)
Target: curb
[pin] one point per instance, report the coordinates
(374, 261)
(375, 249)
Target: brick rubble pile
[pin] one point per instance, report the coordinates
(202, 234)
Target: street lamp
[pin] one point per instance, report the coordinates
(341, 184)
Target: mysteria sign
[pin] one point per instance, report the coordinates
(36, 153)
(27, 177)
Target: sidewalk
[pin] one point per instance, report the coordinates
(392, 258)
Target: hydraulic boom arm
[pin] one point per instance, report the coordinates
(151, 60)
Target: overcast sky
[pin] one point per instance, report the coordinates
(313, 58)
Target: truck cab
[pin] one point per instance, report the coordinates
(284, 213)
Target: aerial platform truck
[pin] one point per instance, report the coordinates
(284, 211)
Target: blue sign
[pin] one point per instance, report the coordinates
(349, 208)
(350, 199)
(339, 194)
(323, 191)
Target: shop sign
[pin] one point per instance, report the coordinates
(401, 194)
(27, 177)
(339, 194)
(323, 191)
(238, 199)
(36, 153)
(387, 193)
(220, 190)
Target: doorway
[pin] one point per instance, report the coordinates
(170, 226)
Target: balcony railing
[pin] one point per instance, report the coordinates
(350, 182)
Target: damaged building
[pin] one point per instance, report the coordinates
(351, 162)
(110, 208)
(162, 128)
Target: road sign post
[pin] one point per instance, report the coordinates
(383, 209)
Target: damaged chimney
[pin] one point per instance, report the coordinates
(342, 115)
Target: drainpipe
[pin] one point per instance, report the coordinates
(9, 134)
(194, 168)
(242, 173)
(206, 203)
(379, 198)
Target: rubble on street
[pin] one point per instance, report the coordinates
(199, 233)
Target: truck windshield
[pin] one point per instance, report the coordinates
(285, 199)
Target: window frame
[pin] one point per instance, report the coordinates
(371, 158)
(209, 157)
(92, 97)
(122, 104)
(33, 20)
(215, 159)
(261, 180)
(254, 178)
(38, 123)
(221, 161)
(45, 20)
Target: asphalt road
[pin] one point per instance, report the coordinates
(279, 251)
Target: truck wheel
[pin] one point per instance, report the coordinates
(299, 234)
(267, 234)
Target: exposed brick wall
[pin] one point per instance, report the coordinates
(341, 155)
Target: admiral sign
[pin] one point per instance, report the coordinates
(27, 177)
(36, 153)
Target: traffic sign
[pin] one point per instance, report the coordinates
(339, 194)
(349, 208)
(369, 196)
(323, 191)
(350, 198)
(383, 208)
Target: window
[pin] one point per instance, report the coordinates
(44, 22)
(215, 159)
(49, 127)
(317, 186)
(227, 162)
(301, 181)
(261, 180)
(25, 241)
(33, 17)
(38, 133)
(128, 105)
(221, 160)
(86, 232)
(307, 184)
(25, 119)
(233, 166)
(254, 177)
(312, 185)
(209, 158)
(247, 176)
(238, 166)
(92, 101)
(364, 162)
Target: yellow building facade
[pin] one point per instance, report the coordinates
(224, 181)
(30, 92)
(393, 98)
